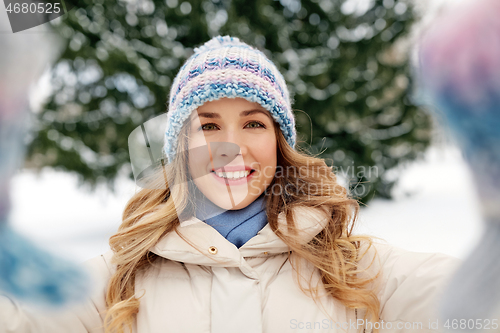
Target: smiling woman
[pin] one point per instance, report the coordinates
(234, 243)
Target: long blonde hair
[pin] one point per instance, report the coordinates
(151, 214)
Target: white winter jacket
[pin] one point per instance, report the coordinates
(252, 289)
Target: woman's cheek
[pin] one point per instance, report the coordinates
(267, 159)
(198, 160)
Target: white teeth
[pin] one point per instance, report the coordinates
(233, 175)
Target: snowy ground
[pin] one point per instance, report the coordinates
(441, 215)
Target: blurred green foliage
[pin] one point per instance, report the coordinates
(349, 84)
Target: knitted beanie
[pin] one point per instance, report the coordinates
(227, 67)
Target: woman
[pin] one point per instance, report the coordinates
(250, 235)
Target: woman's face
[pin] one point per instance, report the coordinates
(234, 136)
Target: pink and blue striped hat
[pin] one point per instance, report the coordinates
(227, 67)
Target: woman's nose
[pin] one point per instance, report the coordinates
(223, 153)
(229, 147)
(225, 149)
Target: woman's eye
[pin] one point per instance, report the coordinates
(212, 126)
(208, 127)
(255, 124)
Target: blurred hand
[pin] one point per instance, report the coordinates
(460, 77)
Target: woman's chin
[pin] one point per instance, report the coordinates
(228, 197)
(230, 202)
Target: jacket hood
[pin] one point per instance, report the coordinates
(208, 247)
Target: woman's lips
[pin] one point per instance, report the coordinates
(230, 182)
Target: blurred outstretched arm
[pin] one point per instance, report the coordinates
(460, 76)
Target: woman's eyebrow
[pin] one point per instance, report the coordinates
(215, 115)
(250, 112)
(209, 115)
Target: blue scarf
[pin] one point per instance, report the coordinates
(237, 226)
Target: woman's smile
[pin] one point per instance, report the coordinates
(233, 177)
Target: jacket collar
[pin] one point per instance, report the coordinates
(212, 249)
